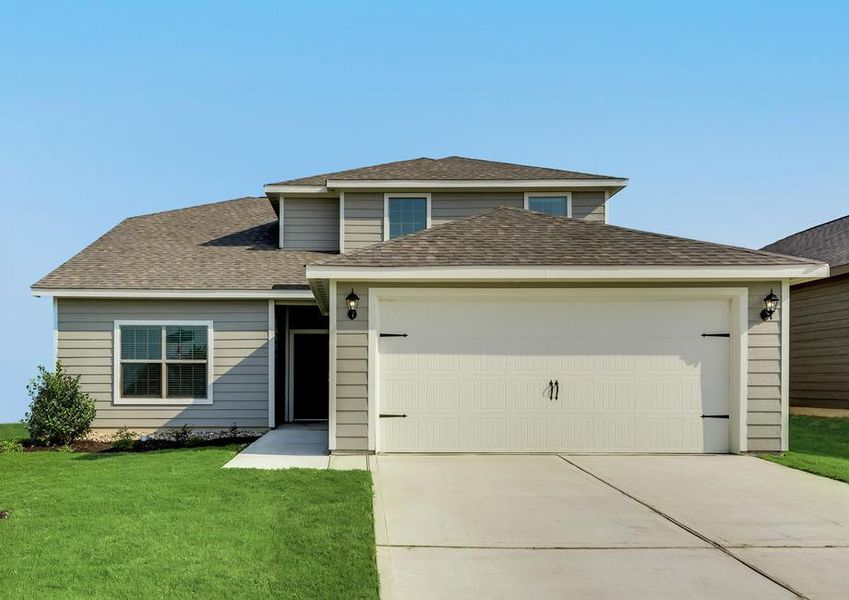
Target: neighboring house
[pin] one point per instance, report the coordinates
(431, 306)
(819, 331)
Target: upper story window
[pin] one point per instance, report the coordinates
(163, 363)
(405, 213)
(556, 203)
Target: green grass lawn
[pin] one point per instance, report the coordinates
(174, 524)
(819, 445)
(13, 431)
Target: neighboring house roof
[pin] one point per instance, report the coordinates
(828, 242)
(221, 246)
(515, 237)
(450, 168)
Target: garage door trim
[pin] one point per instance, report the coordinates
(738, 296)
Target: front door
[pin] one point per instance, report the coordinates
(308, 375)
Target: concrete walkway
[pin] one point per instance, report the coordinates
(295, 445)
(547, 526)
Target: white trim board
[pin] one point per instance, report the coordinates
(738, 313)
(623, 273)
(530, 184)
(272, 347)
(296, 294)
(116, 363)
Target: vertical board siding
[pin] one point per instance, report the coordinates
(764, 366)
(240, 360)
(819, 344)
(447, 206)
(311, 224)
(363, 220)
(588, 206)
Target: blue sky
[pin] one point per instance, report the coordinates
(730, 118)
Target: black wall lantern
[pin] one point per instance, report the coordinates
(352, 300)
(770, 304)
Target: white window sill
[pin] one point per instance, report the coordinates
(163, 401)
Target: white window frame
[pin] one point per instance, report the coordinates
(116, 368)
(388, 195)
(568, 195)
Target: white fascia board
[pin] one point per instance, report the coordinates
(467, 183)
(175, 294)
(567, 273)
(277, 188)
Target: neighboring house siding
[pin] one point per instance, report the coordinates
(447, 206)
(764, 367)
(588, 205)
(311, 223)
(819, 344)
(363, 220)
(351, 371)
(240, 360)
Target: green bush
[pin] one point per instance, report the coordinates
(59, 412)
(182, 435)
(10, 446)
(124, 439)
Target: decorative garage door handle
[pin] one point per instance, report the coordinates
(557, 389)
(716, 416)
(393, 335)
(390, 416)
(728, 335)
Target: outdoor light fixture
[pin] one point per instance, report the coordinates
(770, 304)
(352, 300)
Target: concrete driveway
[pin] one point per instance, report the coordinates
(547, 526)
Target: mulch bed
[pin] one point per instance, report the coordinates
(145, 446)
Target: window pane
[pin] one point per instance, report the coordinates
(407, 215)
(185, 343)
(141, 380)
(141, 342)
(186, 380)
(550, 205)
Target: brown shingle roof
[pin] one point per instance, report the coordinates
(515, 237)
(229, 245)
(448, 168)
(828, 242)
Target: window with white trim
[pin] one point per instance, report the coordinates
(163, 362)
(549, 204)
(406, 214)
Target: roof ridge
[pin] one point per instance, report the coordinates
(195, 206)
(526, 166)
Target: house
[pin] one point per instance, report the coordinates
(819, 331)
(432, 305)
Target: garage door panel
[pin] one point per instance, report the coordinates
(473, 376)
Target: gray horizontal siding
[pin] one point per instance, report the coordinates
(351, 371)
(819, 344)
(588, 205)
(447, 206)
(240, 360)
(363, 220)
(311, 223)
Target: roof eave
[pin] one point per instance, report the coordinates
(645, 273)
(160, 294)
(613, 184)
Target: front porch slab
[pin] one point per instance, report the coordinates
(294, 446)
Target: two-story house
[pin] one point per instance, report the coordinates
(432, 305)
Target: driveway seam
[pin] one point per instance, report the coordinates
(686, 528)
(537, 548)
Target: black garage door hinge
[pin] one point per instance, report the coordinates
(716, 416)
(728, 335)
(393, 335)
(390, 416)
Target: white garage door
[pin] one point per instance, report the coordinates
(489, 375)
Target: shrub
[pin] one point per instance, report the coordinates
(7, 446)
(124, 439)
(181, 435)
(59, 412)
